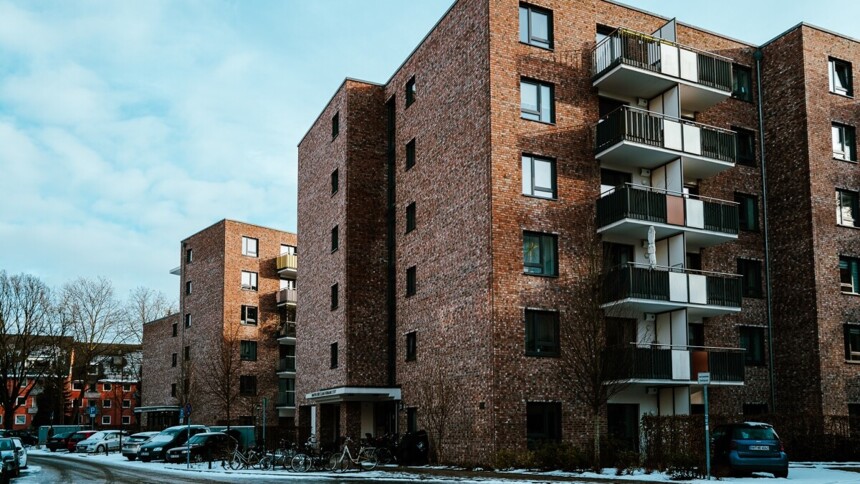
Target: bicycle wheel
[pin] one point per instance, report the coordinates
(236, 461)
(384, 456)
(336, 461)
(287, 459)
(266, 462)
(300, 463)
(367, 461)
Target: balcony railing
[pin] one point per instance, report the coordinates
(654, 362)
(651, 205)
(660, 283)
(636, 125)
(287, 363)
(287, 329)
(661, 56)
(289, 262)
(287, 296)
(286, 399)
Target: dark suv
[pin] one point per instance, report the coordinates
(749, 447)
(157, 447)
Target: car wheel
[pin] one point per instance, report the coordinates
(781, 474)
(131, 457)
(100, 449)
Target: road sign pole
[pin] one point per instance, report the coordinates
(188, 436)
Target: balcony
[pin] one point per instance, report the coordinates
(632, 289)
(287, 265)
(287, 365)
(665, 364)
(286, 296)
(286, 399)
(632, 64)
(627, 211)
(286, 333)
(637, 138)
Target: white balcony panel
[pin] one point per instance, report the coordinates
(695, 213)
(672, 137)
(680, 365)
(682, 401)
(692, 139)
(689, 66)
(698, 289)
(678, 287)
(669, 60)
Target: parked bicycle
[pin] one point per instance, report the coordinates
(365, 458)
(242, 460)
(386, 448)
(313, 457)
(283, 455)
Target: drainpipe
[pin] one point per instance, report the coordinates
(758, 55)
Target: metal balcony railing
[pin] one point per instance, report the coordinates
(654, 362)
(287, 363)
(649, 204)
(640, 363)
(286, 399)
(288, 296)
(628, 123)
(638, 281)
(287, 261)
(625, 46)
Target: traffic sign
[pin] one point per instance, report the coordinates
(93, 411)
(704, 378)
(188, 409)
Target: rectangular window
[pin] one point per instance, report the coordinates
(841, 81)
(335, 125)
(187, 353)
(852, 342)
(750, 271)
(249, 314)
(849, 274)
(174, 359)
(411, 346)
(22, 401)
(247, 385)
(752, 340)
(175, 329)
(20, 420)
(187, 287)
(410, 217)
(539, 177)
(334, 182)
(542, 338)
(187, 320)
(106, 403)
(745, 146)
(333, 355)
(742, 83)
(412, 419)
(535, 26)
(410, 154)
(107, 387)
(540, 254)
(105, 419)
(173, 389)
(844, 142)
(334, 241)
(77, 386)
(126, 387)
(249, 246)
(847, 208)
(334, 297)
(543, 423)
(747, 211)
(189, 256)
(249, 280)
(537, 101)
(126, 420)
(411, 281)
(410, 91)
(248, 350)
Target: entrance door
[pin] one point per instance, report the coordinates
(623, 425)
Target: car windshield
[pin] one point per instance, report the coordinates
(6, 445)
(165, 436)
(79, 436)
(97, 436)
(197, 439)
(754, 433)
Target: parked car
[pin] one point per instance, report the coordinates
(105, 440)
(157, 447)
(131, 445)
(59, 441)
(9, 454)
(27, 437)
(22, 452)
(204, 447)
(749, 447)
(77, 437)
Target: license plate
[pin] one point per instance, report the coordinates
(759, 447)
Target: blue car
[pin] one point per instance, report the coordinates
(748, 447)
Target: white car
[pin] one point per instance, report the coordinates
(22, 453)
(104, 441)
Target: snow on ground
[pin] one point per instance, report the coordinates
(799, 473)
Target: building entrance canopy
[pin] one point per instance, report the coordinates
(354, 394)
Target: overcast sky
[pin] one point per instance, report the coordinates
(126, 126)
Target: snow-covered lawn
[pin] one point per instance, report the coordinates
(799, 473)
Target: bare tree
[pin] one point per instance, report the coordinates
(437, 397)
(30, 336)
(145, 305)
(221, 370)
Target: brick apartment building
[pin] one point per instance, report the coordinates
(451, 213)
(236, 324)
(112, 385)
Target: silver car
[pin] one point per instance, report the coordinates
(22, 452)
(131, 445)
(11, 461)
(104, 441)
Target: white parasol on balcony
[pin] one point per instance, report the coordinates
(652, 247)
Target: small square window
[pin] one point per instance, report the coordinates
(747, 211)
(841, 81)
(537, 101)
(540, 254)
(189, 256)
(334, 182)
(411, 346)
(106, 404)
(410, 91)
(750, 271)
(847, 212)
(410, 217)
(187, 353)
(742, 83)
(174, 360)
(849, 274)
(844, 142)
(187, 287)
(247, 385)
(334, 238)
(20, 420)
(126, 420)
(333, 355)
(249, 246)
(249, 280)
(107, 387)
(542, 337)
(105, 419)
(334, 297)
(335, 125)
(410, 281)
(126, 387)
(752, 340)
(248, 350)
(188, 320)
(535, 26)
(410, 154)
(745, 146)
(175, 329)
(249, 314)
(77, 385)
(539, 179)
(852, 342)
(126, 404)
(21, 401)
